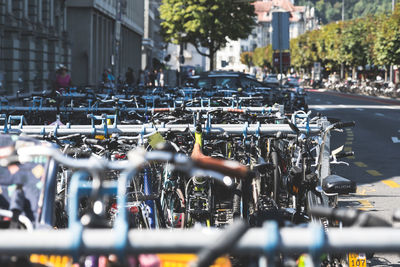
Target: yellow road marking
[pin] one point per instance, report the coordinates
(360, 164)
(349, 143)
(361, 192)
(390, 183)
(374, 173)
(365, 204)
(350, 139)
(350, 135)
(351, 157)
(347, 149)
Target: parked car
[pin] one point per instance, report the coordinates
(293, 81)
(224, 80)
(272, 80)
(228, 83)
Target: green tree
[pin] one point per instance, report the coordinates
(206, 23)
(304, 50)
(262, 56)
(246, 58)
(331, 10)
(387, 42)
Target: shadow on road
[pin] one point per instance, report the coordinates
(379, 261)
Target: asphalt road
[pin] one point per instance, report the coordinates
(375, 140)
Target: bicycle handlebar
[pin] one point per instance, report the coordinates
(349, 216)
(227, 167)
(202, 165)
(344, 154)
(341, 125)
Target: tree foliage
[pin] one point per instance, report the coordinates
(331, 10)
(262, 57)
(387, 41)
(373, 40)
(246, 58)
(206, 23)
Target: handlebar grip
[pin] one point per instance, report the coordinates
(344, 154)
(91, 141)
(159, 110)
(374, 221)
(350, 216)
(235, 110)
(226, 167)
(340, 125)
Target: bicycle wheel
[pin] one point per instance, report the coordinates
(173, 206)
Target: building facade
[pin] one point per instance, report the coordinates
(302, 18)
(34, 41)
(192, 58)
(104, 34)
(153, 47)
(264, 10)
(228, 58)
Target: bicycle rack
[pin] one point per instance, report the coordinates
(13, 118)
(104, 122)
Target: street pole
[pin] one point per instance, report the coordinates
(280, 54)
(342, 10)
(117, 40)
(391, 66)
(342, 65)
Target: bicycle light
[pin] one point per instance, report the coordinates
(228, 181)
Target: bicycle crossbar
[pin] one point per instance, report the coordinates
(257, 241)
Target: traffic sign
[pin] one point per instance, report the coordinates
(285, 59)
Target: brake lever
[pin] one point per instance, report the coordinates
(339, 162)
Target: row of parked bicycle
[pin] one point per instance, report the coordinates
(200, 163)
(371, 88)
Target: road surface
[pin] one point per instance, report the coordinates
(376, 142)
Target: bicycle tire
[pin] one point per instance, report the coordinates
(172, 202)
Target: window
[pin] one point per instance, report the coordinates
(205, 83)
(247, 83)
(227, 82)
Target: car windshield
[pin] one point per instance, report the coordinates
(205, 83)
(226, 82)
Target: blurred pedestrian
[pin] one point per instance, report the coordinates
(108, 78)
(161, 78)
(152, 77)
(156, 77)
(63, 79)
(147, 77)
(129, 77)
(141, 79)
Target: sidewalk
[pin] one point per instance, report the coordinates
(380, 99)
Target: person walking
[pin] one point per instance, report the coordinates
(63, 79)
(108, 78)
(161, 79)
(142, 79)
(129, 77)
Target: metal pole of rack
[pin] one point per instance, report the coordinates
(148, 129)
(105, 109)
(255, 242)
